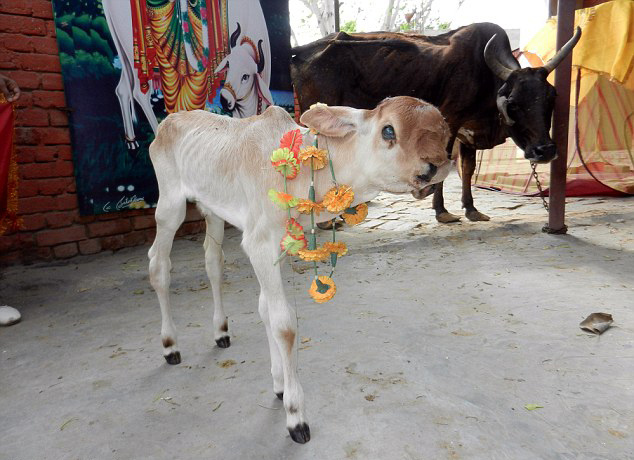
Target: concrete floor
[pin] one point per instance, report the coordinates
(436, 340)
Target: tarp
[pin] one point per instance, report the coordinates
(600, 157)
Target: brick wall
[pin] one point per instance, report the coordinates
(53, 228)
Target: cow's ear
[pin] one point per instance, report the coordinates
(331, 121)
(223, 64)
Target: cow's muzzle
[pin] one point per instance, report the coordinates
(419, 194)
(544, 153)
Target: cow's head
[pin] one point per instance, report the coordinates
(244, 65)
(401, 144)
(526, 100)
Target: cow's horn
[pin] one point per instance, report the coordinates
(494, 63)
(563, 52)
(261, 61)
(234, 36)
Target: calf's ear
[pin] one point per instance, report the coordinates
(331, 121)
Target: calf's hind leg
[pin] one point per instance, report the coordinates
(169, 217)
(214, 264)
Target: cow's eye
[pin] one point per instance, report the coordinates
(245, 77)
(388, 133)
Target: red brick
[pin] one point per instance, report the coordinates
(52, 81)
(65, 152)
(89, 246)
(8, 59)
(26, 136)
(60, 235)
(112, 243)
(27, 188)
(22, 24)
(45, 45)
(44, 154)
(26, 154)
(26, 99)
(17, 42)
(42, 9)
(16, 7)
(34, 222)
(25, 79)
(50, 29)
(58, 118)
(111, 227)
(49, 99)
(31, 205)
(192, 213)
(44, 170)
(134, 239)
(140, 222)
(41, 62)
(32, 117)
(16, 241)
(10, 258)
(54, 136)
(65, 251)
(61, 219)
(55, 186)
(66, 201)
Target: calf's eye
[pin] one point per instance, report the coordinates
(388, 133)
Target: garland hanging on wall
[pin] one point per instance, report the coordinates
(287, 160)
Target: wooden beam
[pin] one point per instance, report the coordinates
(561, 115)
(336, 15)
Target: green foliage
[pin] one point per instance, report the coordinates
(65, 22)
(100, 45)
(405, 27)
(82, 39)
(101, 26)
(86, 65)
(65, 42)
(83, 21)
(349, 27)
(444, 25)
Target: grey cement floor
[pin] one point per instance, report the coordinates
(436, 340)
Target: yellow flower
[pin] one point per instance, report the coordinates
(356, 215)
(319, 156)
(338, 198)
(314, 255)
(340, 248)
(322, 289)
(305, 206)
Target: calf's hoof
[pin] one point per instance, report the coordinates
(280, 395)
(300, 434)
(328, 224)
(223, 342)
(447, 218)
(173, 358)
(477, 216)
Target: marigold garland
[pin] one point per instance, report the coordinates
(338, 248)
(306, 206)
(322, 289)
(338, 198)
(319, 156)
(355, 215)
(314, 255)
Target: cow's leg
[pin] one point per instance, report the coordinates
(438, 203)
(214, 264)
(262, 250)
(468, 158)
(169, 216)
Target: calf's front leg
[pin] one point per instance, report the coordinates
(281, 329)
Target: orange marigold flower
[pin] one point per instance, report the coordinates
(319, 156)
(314, 255)
(338, 198)
(305, 206)
(322, 289)
(356, 215)
(339, 248)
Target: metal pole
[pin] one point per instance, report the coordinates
(561, 114)
(336, 15)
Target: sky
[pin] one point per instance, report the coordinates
(526, 15)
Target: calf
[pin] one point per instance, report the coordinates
(222, 164)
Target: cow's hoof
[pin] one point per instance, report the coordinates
(280, 395)
(223, 342)
(173, 358)
(476, 216)
(300, 434)
(328, 225)
(447, 218)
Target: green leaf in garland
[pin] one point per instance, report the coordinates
(283, 200)
(291, 245)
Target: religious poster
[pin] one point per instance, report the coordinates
(127, 64)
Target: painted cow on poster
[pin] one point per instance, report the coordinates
(237, 97)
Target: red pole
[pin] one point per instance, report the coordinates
(561, 115)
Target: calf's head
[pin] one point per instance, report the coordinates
(526, 99)
(398, 147)
(244, 65)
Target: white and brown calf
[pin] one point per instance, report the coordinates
(222, 164)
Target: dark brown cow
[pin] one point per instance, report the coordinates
(469, 73)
